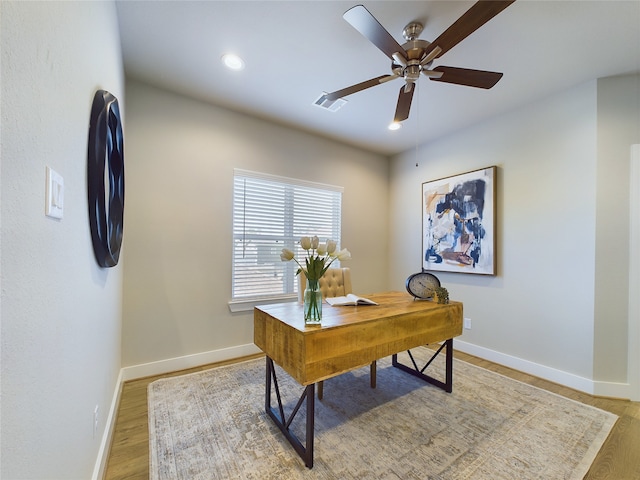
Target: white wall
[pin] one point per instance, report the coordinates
(538, 312)
(60, 312)
(177, 265)
(618, 129)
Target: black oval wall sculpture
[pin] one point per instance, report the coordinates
(105, 179)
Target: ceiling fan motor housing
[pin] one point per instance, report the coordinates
(414, 52)
(415, 49)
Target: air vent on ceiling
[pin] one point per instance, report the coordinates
(331, 105)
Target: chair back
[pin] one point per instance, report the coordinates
(336, 282)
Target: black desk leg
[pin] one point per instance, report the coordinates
(279, 418)
(447, 385)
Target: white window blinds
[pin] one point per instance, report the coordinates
(271, 213)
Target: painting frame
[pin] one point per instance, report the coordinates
(459, 223)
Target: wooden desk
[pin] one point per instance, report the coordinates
(348, 338)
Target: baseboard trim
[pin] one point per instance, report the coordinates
(586, 385)
(622, 391)
(188, 361)
(100, 467)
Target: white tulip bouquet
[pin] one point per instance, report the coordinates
(318, 258)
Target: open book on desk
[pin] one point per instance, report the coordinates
(350, 299)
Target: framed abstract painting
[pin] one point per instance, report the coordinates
(459, 223)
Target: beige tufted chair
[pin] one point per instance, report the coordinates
(336, 282)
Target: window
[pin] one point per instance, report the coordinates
(271, 213)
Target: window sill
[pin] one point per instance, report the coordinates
(247, 305)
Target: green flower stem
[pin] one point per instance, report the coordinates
(312, 302)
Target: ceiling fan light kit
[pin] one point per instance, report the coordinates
(416, 56)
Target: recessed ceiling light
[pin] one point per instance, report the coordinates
(232, 61)
(394, 126)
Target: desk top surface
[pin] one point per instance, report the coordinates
(390, 304)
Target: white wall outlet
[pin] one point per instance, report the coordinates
(95, 421)
(467, 324)
(54, 194)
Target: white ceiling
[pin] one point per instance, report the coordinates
(295, 50)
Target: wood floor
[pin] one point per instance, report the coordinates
(619, 458)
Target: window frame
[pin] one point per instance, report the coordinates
(288, 239)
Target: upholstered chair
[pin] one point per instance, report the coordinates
(336, 282)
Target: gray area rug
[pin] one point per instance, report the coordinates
(212, 425)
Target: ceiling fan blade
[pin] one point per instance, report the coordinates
(404, 102)
(359, 87)
(479, 14)
(364, 22)
(468, 77)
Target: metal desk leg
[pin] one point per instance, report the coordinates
(279, 418)
(372, 373)
(447, 385)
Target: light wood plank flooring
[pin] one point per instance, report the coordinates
(619, 458)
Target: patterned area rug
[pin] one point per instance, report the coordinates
(212, 425)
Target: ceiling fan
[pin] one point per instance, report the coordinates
(415, 57)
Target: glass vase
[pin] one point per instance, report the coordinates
(312, 303)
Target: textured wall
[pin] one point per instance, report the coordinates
(61, 313)
(560, 298)
(539, 307)
(618, 129)
(177, 276)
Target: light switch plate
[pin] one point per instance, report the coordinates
(54, 194)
